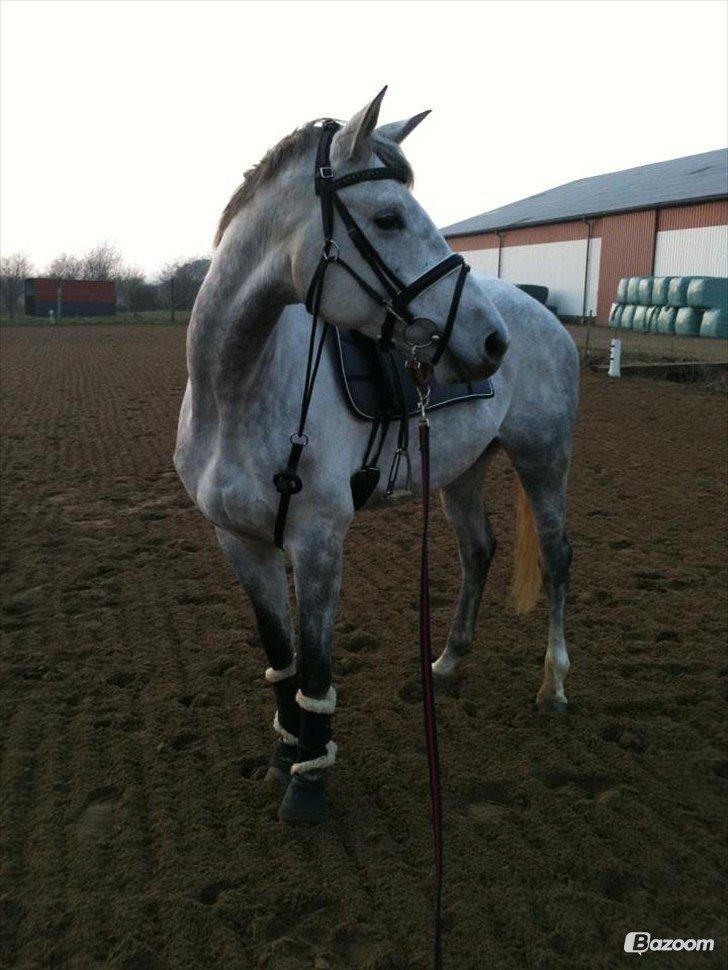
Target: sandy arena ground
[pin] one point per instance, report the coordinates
(135, 724)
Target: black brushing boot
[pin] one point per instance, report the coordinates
(305, 798)
(287, 724)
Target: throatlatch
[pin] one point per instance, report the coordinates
(395, 300)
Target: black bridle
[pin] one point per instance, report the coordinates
(398, 296)
(395, 300)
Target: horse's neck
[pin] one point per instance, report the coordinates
(231, 340)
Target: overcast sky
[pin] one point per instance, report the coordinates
(133, 121)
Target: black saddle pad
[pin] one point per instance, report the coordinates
(369, 386)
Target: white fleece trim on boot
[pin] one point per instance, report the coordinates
(274, 676)
(286, 735)
(317, 705)
(325, 761)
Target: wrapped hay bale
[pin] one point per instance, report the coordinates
(633, 284)
(687, 321)
(615, 314)
(644, 290)
(708, 292)
(715, 323)
(625, 321)
(677, 291)
(653, 312)
(660, 287)
(639, 318)
(622, 290)
(666, 319)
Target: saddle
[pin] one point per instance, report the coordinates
(378, 389)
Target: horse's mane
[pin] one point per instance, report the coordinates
(293, 146)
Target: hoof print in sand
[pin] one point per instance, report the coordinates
(488, 800)
(589, 785)
(94, 826)
(360, 642)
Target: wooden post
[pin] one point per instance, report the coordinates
(171, 299)
(59, 301)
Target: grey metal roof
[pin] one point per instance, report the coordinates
(689, 179)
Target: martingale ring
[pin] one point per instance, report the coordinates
(419, 328)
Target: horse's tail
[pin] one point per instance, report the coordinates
(527, 578)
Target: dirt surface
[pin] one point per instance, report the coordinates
(135, 722)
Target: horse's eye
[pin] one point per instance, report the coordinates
(389, 220)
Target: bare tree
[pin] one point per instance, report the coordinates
(102, 262)
(66, 267)
(134, 292)
(181, 281)
(13, 272)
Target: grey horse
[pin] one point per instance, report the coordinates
(246, 349)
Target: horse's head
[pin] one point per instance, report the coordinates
(405, 241)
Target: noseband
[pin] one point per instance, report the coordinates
(395, 301)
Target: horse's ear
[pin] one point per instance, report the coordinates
(397, 131)
(351, 141)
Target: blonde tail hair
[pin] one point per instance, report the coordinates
(527, 579)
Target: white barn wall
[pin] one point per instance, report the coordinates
(692, 252)
(558, 265)
(483, 261)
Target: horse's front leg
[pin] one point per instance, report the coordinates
(261, 571)
(316, 559)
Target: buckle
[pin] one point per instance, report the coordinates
(326, 172)
(331, 251)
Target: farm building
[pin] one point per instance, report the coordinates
(72, 298)
(580, 239)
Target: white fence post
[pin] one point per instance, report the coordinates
(615, 358)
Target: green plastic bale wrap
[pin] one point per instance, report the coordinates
(666, 319)
(687, 321)
(639, 318)
(660, 288)
(615, 314)
(677, 291)
(715, 323)
(644, 290)
(653, 312)
(708, 292)
(622, 290)
(625, 321)
(633, 289)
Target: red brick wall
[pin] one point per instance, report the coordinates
(628, 249)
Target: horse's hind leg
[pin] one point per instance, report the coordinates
(261, 571)
(544, 476)
(464, 504)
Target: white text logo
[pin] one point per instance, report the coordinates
(643, 943)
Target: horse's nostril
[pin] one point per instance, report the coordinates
(495, 345)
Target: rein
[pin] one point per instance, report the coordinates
(420, 373)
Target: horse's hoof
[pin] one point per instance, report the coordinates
(279, 769)
(305, 800)
(443, 674)
(551, 705)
